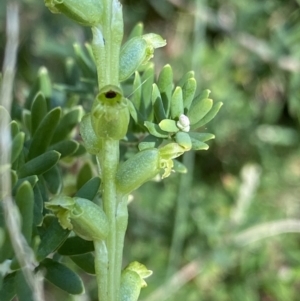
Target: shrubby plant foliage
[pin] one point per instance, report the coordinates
(158, 122)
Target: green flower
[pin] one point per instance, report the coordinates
(87, 12)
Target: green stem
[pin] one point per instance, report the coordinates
(101, 267)
(122, 221)
(109, 160)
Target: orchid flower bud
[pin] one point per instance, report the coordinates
(87, 13)
(137, 170)
(110, 113)
(132, 280)
(84, 217)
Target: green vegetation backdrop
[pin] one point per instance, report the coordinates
(229, 229)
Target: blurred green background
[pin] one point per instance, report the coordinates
(229, 229)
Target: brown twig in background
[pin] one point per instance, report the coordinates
(23, 252)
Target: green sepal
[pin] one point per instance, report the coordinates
(86, 262)
(51, 238)
(4, 114)
(8, 288)
(89, 189)
(39, 165)
(211, 114)
(87, 13)
(67, 124)
(23, 291)
(199, 145)
(133, 54)
(91, 142)
(132, 280)
(199, 108)
(184, 140)
(137, 170)
(165, 86)
(155, 130)
(17, 146)
(188, 92)
(75, 246)
(65, 147)
(159, 110)
(110, 114)
(43, 134)
(53, 180)
(84, 217)
(171, 150)
(177, 103)
(38, 111)
(168, 125)
(25, 203)
(62, 277)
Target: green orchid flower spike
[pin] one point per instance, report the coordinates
(84, 217)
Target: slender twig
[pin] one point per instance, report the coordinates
(23, 252)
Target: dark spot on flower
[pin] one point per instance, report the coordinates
(110, 94)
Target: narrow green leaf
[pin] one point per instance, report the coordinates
(137, 91)
(188, 92)
(4, 114)
(80, 151)
(155, 130)
(202, 136)
(43, 134)
(23, 291)
(199, 108)
(52, 238)
(184, 140)
(179, 167)
(84, 175)
(25, 203)
(45, 82)
(75, 245)
(17, 146)
(136, 31)
(38, 206)
(67, 123)
(177, 103)
(31, 179)
(90, 189)
(26, 119)
(159, 110)
(185, 78)
(53, 180)
(62, 277)
(165, 86)
(40, 164)
(8, 289)
(84, 62)
(38, 111)
(198, 145)
(147, 82)
(212, 113)
(86, 262)
(14, 128)
(65, 147)
(168, 125)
